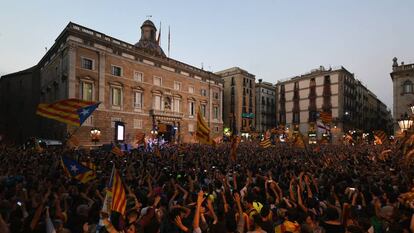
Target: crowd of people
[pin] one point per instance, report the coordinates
(199, 188)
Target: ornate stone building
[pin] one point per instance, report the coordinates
(136, 84)
(403, 89)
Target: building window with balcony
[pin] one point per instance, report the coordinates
(138, 100)
(191, 108)
(87, 63)
(167, 103)
(215, 112)
(116, 96)
(191, 89)
(407, 87)
(86, 90)
(116, 71)
(216, 95)
(157, 81)
(138, 76)
(156, 104)
(203, 110)
(177, 103)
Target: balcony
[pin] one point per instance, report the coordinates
(166, 113)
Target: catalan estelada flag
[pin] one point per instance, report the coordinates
(69, 111)
(117, 151)
(76, 170)
(203, 131)
(118, 192)
(326, 117)
(266, 143)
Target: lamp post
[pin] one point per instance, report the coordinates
(95, 135)
(405, 122)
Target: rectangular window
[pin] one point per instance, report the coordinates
(191, 108)
(191, 89)
(216, 129)
(116, 71)
(157, 81)
(216, 95)
(86, 88)
(177, 105)
(116, 96)
(138, 76)
(190, 128)
(87, 63)
(203, 110)
(137, 124)
(177, 86)
(203, 92)
(215, 112)
(138, 100)
(157, 102)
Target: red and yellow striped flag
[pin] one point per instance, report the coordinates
(117, 151)
(380, 137)
(118, 193)
(326, 117)
(69, 111)
(203, 131)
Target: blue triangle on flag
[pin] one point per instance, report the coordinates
(85, 112)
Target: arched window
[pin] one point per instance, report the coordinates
(407, 87)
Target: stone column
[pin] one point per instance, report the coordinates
(101, 82)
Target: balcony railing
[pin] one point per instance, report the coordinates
(166, 113)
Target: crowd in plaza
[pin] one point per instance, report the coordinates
(198, 188)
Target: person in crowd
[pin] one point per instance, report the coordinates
(200, 189)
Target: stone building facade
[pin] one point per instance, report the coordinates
(403, 89)
(136, 84)
(334, 90)
(239, 100)
(265, 106)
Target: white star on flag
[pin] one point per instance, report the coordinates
(73, 168)
(85, 112)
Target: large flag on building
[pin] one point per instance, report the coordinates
(69, 111)
(326, 117)
(203, 131)
(76, 170)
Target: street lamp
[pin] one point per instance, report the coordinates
(405, 122)
(95, 135)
